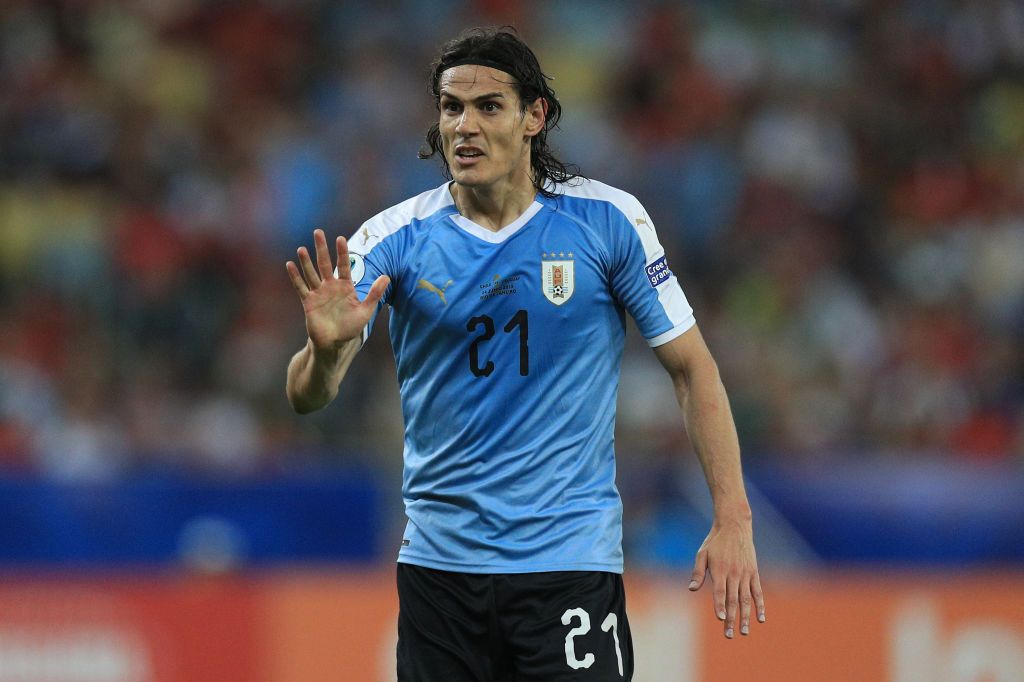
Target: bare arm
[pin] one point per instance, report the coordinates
(314, 377)
(335, 318)
(728, 551)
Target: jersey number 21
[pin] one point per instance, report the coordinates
(519, 320)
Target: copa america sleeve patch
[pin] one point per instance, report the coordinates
(658, 272)
(357, 267)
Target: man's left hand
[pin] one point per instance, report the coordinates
(728, 555)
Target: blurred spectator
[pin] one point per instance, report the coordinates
(838, 184)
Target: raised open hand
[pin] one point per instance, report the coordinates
(334, 313)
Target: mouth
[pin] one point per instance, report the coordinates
(467, 155)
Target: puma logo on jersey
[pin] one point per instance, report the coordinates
(365, 234)
(424, 284)
(641, 221)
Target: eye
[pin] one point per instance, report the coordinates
(450, 106)
(491, 107)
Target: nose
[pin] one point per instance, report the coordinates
(467, 122)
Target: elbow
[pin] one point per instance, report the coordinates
(302, 404)
(297, 406)
(681, 384)
(300, 408)
(703, 372)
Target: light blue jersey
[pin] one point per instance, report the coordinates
(508, 346)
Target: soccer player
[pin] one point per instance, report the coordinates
(508, 289)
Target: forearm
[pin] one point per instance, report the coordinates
(712, 432)
(727, 554)
(314, 376)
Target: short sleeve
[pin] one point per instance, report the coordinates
(641, 278)
(370, 256)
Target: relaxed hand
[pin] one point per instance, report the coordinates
(728, 555)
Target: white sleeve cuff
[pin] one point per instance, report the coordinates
(672, 333)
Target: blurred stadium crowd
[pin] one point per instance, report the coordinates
(839, 185)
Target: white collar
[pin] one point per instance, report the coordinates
(504, 233)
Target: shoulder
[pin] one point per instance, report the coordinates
(586, 191)
(392, 220)
(615, 213)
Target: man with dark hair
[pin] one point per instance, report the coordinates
(509, 288)
(504, 52)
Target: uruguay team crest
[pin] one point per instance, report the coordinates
(557, 273)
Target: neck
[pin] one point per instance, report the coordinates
(495, 206)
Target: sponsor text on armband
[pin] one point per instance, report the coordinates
(658, 272)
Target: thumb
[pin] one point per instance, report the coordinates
(700, 568)
(373, 296)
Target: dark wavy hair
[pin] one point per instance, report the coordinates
(502, 47)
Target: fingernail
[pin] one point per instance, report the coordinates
(721, 615)
(745, 630)
(760, 617)
(728, 633)
(693, 584)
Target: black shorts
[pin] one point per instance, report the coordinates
(528, 627)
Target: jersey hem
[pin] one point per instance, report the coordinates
(510, 568)
(678, 330)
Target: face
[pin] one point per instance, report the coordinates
(485, 135)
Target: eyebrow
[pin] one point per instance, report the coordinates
(481, 98)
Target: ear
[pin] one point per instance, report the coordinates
(535, 116)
